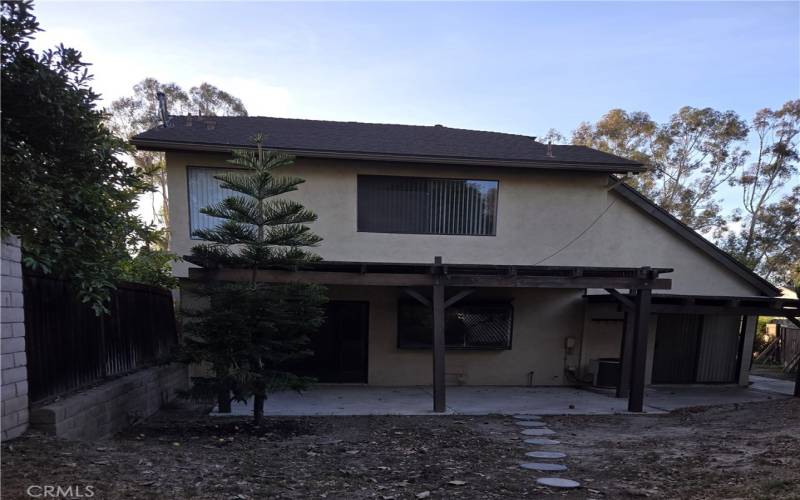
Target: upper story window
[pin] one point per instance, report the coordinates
(204, 190)
(415, 205)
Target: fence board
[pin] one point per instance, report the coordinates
(69, 347)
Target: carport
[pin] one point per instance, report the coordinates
(748, 308)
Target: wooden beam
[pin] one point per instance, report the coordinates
(424, 279)
(639, 367)
(318, 277)
(455, 298)
(626, 355)
(521, 281)
(722, 310)
(626, 302)
(420, 298)
(770, 347)
(794, 320)
(438, 343)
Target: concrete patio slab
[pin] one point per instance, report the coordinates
(668, 398)
(482, 400)
(768, 384)
(345, 400)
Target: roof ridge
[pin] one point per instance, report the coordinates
(353, 122)
(380, 140)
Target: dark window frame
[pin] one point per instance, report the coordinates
(415, 346)
(493, 233)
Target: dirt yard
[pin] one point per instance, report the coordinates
(742, 451)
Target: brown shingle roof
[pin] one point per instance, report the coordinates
(377, 141)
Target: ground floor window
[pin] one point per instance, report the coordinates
(474, 325)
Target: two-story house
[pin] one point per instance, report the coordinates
(530, 237)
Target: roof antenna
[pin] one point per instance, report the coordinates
(550, 149)
(162, 108)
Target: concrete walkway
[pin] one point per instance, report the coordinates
(483, 400)
(768, 384)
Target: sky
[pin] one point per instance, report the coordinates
(510, 67)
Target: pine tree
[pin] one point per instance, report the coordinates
(251, 332)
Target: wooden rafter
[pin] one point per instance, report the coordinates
(457, 297)
(622, 299)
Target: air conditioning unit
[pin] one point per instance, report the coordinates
(606, 372)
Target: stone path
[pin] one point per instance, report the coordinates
(546, 454)
(537, 432)
(530, 423)
(556, 482)
(539, 429)
(542, 441)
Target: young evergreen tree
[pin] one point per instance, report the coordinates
(251, 332)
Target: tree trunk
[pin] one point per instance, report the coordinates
(224, 400)
(258, 409)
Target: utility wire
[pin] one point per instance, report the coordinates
(596, 220)
(573, 240)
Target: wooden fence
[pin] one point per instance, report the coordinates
(784, 349)
(69, 347)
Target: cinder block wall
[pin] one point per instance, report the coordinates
(14, 375)
(112, 406)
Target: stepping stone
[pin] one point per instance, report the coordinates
(557, 482)
(527, 417)
(530, 423)
(545, 454)
(537, 432)
(543, 466)
(542, 441)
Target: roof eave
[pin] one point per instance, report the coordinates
(160, 145)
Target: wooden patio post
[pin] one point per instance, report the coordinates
(641, 328)
(438, 339)
(626, 357)
(797, 383)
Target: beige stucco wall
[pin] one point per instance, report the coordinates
(528, 204)
(602, 338)
(626, 236)
(543, 319)
(538, 213)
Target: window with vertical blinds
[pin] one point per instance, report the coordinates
(204, 190)
(415, 205)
